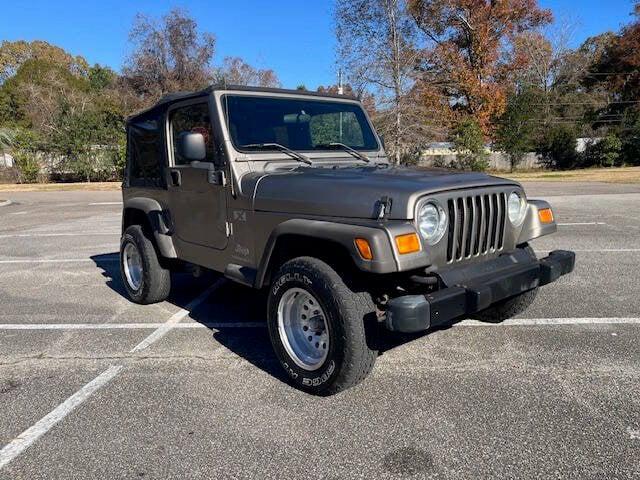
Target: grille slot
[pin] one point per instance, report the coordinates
(476, 225)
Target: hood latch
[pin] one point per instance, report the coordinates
(383, 207)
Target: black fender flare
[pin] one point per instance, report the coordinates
(159, 220)
(340, 233)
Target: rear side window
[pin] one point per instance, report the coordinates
(146, 157)
(191, 119)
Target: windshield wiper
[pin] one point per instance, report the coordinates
(348, 149)
(292, 153)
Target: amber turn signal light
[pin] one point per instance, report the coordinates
(408, 243)
(545, 215)
(364, 249)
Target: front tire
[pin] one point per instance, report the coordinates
(318, 327)
(145, 280)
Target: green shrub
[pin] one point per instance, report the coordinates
(604, 153)
(24, 151)
(558, 147)
(630, 137)
(28, 166)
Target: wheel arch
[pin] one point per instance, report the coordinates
(150, 214)
(334, 243)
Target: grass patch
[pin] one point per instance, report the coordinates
(606, 175)
(58, 187)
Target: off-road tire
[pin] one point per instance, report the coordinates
(156, 280)
(351, 323)
(510, 307)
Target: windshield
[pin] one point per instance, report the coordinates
(298, 124)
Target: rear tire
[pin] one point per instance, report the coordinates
(339, 324)
(510, 307)
(145, 280)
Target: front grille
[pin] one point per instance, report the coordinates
(476, 225)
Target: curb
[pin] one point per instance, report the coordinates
(5, 203)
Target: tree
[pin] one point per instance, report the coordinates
(74, 121)
(468, 139)
(101, 77)
(378, 49)
(367, 99)
(170, 55)
(236, 71)
(616, 71)
(466, 57)
(14, 54)
(515, 128)
(630, 136)
(7, 137)
(32, 95)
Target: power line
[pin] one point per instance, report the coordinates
(594, 103)
(543, 122)
(594, 74)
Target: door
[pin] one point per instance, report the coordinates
(197, 191)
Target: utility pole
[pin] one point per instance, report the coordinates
(340, 92)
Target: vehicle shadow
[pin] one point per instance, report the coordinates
(235, 315)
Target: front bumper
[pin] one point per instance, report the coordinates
(475, 287)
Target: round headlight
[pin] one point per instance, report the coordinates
(432, 222)
(517, 207)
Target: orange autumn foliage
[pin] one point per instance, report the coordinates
(469, 54)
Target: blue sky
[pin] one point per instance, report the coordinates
(294, 37)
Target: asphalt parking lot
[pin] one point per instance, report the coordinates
(93, 386)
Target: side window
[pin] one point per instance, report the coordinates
(146, 151)
(191, 119)
(342, 127)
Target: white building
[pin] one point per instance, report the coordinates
(6, 160)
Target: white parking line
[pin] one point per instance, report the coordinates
(76, 234)
(56, 260)
(608, 250)
(580, 223)
(33, 433)
(125, 326)
(540, 250)
(176, 317)
(105, 203)
(221, 325)
(554, 321)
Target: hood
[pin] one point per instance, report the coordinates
(355, 192)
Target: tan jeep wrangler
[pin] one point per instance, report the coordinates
(292, 192)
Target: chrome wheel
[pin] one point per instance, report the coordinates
(132, 262)
(302, 326)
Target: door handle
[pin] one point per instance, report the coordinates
(217, 177)
(176, 178)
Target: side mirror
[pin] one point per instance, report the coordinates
(192, 146)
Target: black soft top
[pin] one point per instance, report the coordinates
(170, 98)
